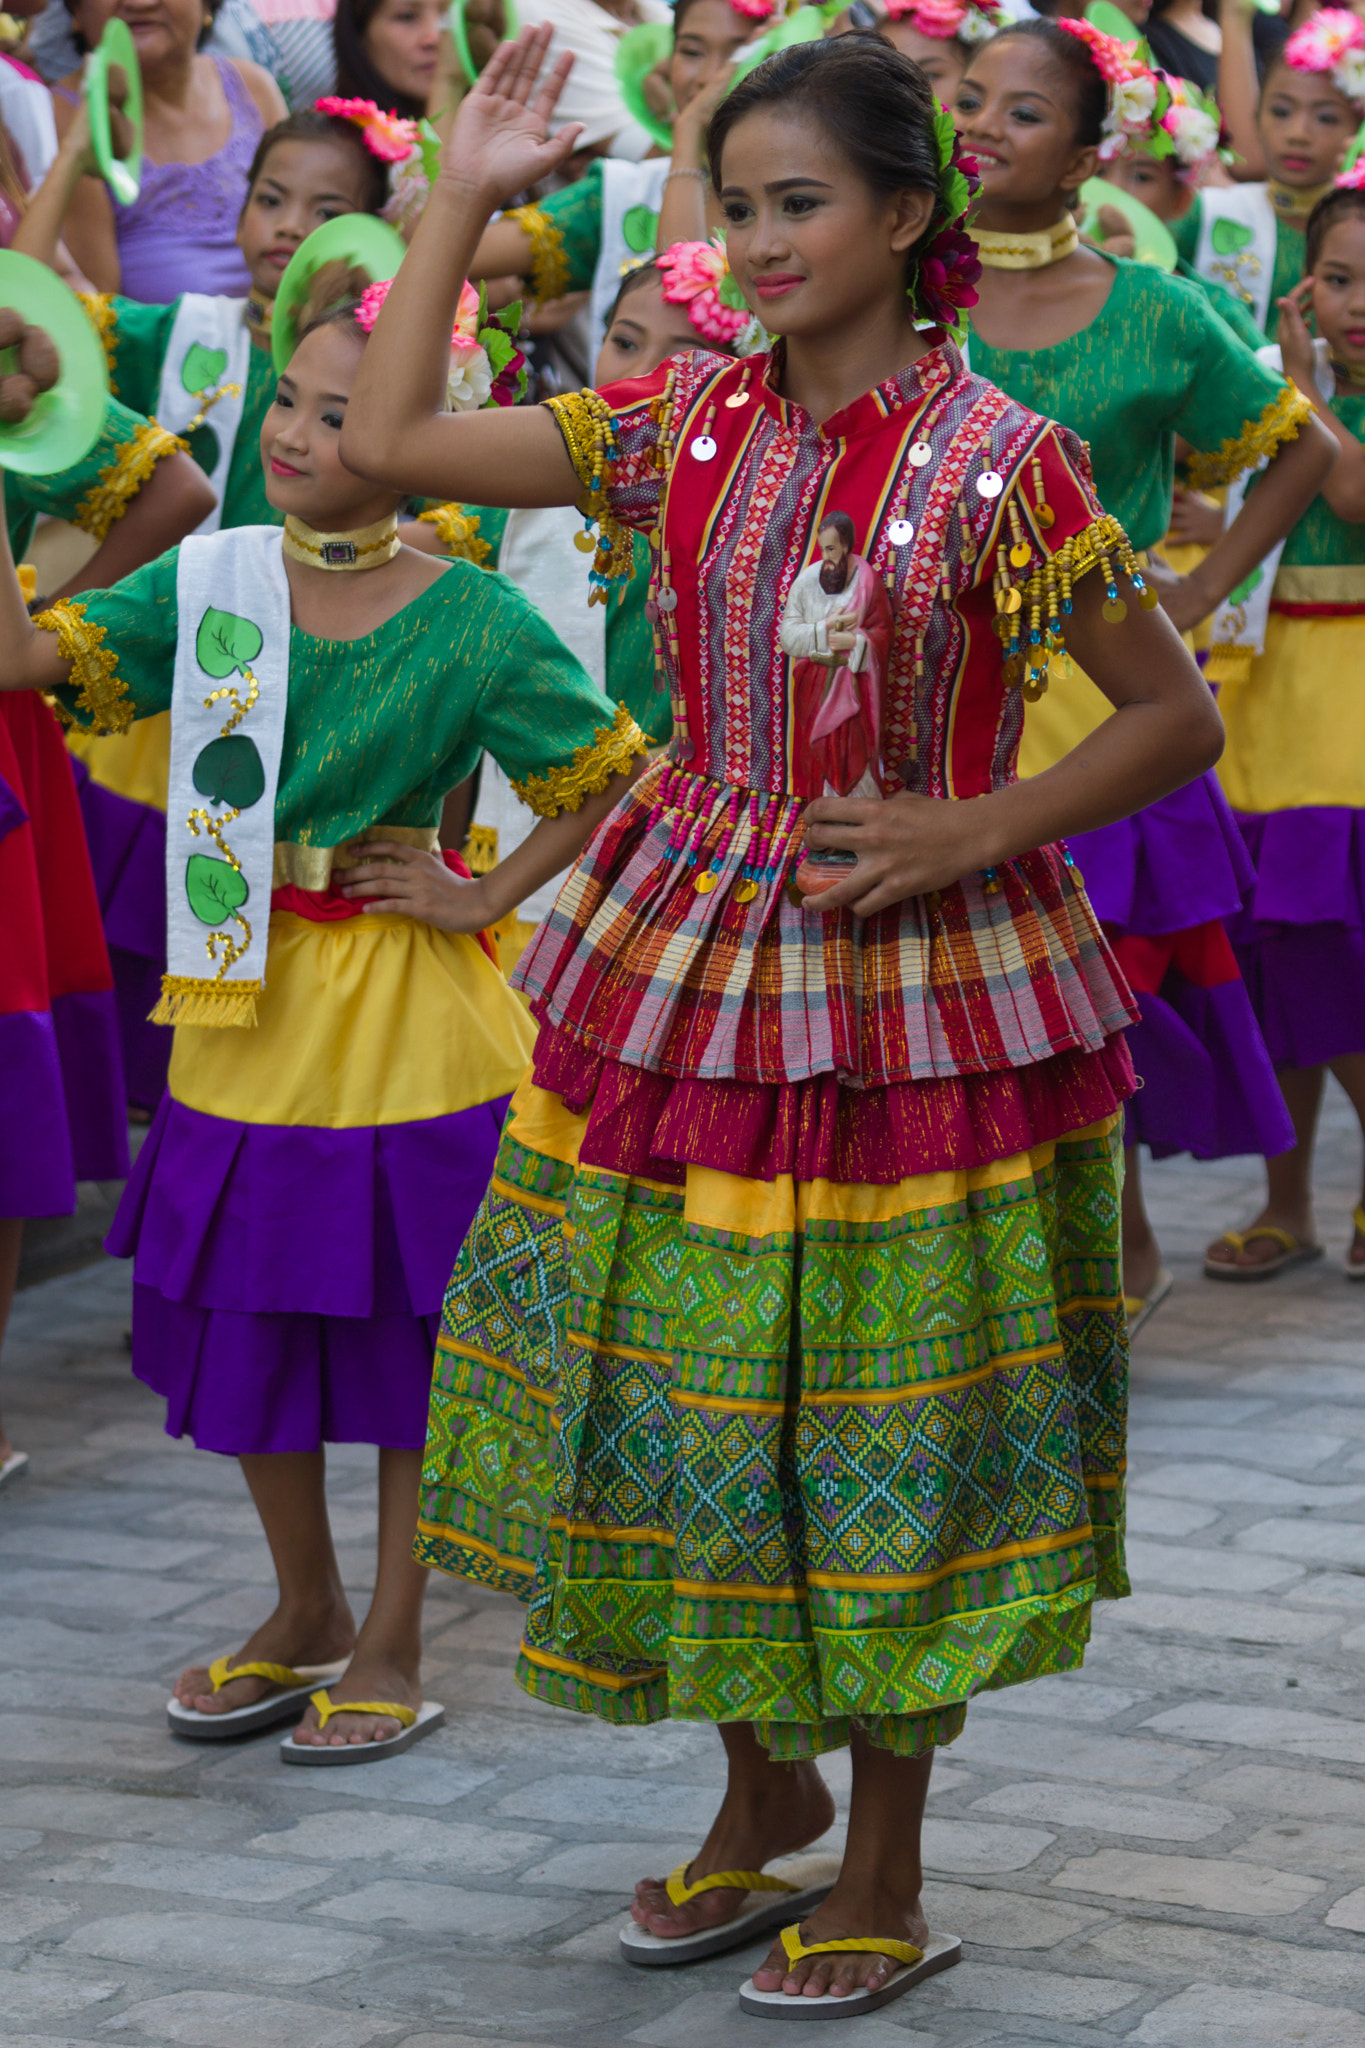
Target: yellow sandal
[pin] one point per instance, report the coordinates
(1293, 1252)
(940, 1952)
(1352, 1269)
(295, 1686)
(758, 1912)
(413, 1724)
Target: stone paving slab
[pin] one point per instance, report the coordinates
(1166, 1848)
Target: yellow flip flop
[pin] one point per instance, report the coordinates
(1140, 1308)
(1355, 1272)
(940, 1952)
(413, 1724)
(758, 1914)
(296, 1684)
(1293, 1252)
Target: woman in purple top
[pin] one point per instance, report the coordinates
(204, 116)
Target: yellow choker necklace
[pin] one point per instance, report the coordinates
(1026, 252)
(259, 315)
(1286, 199)
(1350, 373)
(369, 547)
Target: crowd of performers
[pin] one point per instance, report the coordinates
(928, 645)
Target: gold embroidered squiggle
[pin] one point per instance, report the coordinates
(94, 667)
(100, 307)
(549, 277)
(459, 531)
(120, 483)
(1280, 422)
(564, 789)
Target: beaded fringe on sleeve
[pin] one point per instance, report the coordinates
(565, 788)
(549, 277)
(1031, 611)
(1280, 422)
(588, 429)
(103, 695)
(120, 483)
(459, 531)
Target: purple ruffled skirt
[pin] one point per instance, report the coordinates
(127, 842)
(1300, 939)
(1207, 1080)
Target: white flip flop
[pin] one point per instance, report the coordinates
(297, 1688)
(770, 1902)
(13, 1466)
(940, 1952)
(415, 1725)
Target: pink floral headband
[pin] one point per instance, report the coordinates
(1136, 95)
(963, 21)
(698, 277)
(387, 136)
(486, 366)
(1331, 42)
(755, 10)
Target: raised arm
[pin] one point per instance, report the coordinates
(40, 230)
(397, 430)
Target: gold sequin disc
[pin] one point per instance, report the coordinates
(1045, 515)
(1114, 611)
(586, 543)
(1020, 554)
(1149, 599)
(706, 882)
(746, 892)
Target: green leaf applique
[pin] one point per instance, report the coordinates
(215, 888)
(1228, 236)
(202, 368)
(230, 771)
(1246, 586)
(638, 228)
(226, 643)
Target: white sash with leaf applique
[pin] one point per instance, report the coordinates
(203, 380)
(228, 701)
(631, 197)
(1238, 236)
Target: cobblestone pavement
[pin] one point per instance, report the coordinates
(1166, 1849)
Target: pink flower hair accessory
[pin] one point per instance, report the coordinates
(1137, 97)
(698, 277)
(755, 10)
(1354, 179)
(1331, 42)
(486, 366)
(963, 21)
(387, 136)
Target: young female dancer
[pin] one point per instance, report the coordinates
(1251, 237)
(939, 36)
(581, 237)
(61, 1080)
(206, 360)
(306, 1183)
(809, 1212)
(1055, 326)
(1295, 766)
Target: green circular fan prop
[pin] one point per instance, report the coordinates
(485, 25)
(64, 422)
(806, 25)
(122, 174)
(1153, 240)
(355, 238)
(640, 51)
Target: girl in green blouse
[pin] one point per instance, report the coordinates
(306, 1183)
(1130, 358)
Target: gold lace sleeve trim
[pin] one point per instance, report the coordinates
(459, 531)
(103, 694)
(1280, 422)
(564, 789)
(1033, 604)
(120, 483)
(549, 277)
(100, 307)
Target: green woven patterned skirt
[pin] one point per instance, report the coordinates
(801, 1454)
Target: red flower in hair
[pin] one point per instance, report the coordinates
(948, 271)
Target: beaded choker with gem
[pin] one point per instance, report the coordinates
(1293, 202)
(260, 315)
(958, 21)
(1331, 43)
(1137, 94)
(1002, 251)
(368, 547)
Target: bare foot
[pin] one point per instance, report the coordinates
(850, 1910)
(320, 1637)
(370, 1676)
(1261, 1250)
(1141, 1264)
(775, 1811)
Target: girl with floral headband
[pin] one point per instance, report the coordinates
(202, 366)
(344, 1046)
(804, 1228)
(1130, 358)
(939, 36)
(1250, 237)
(582, 237)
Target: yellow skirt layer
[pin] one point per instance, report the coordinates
(370, 1020)
(1296, 725)
(135, 764)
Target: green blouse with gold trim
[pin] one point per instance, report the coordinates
(94, 491)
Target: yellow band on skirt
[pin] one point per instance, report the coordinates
(1296, 724)
(135, 764)
(369, 1020)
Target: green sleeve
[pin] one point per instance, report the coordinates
(122, 642)
(1235, 410)
(64, 494)
(630, 655)
(576, 211)
(136, 340)
(1186, 231)
(539, 714)
(492, 526)
(1226, 305)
